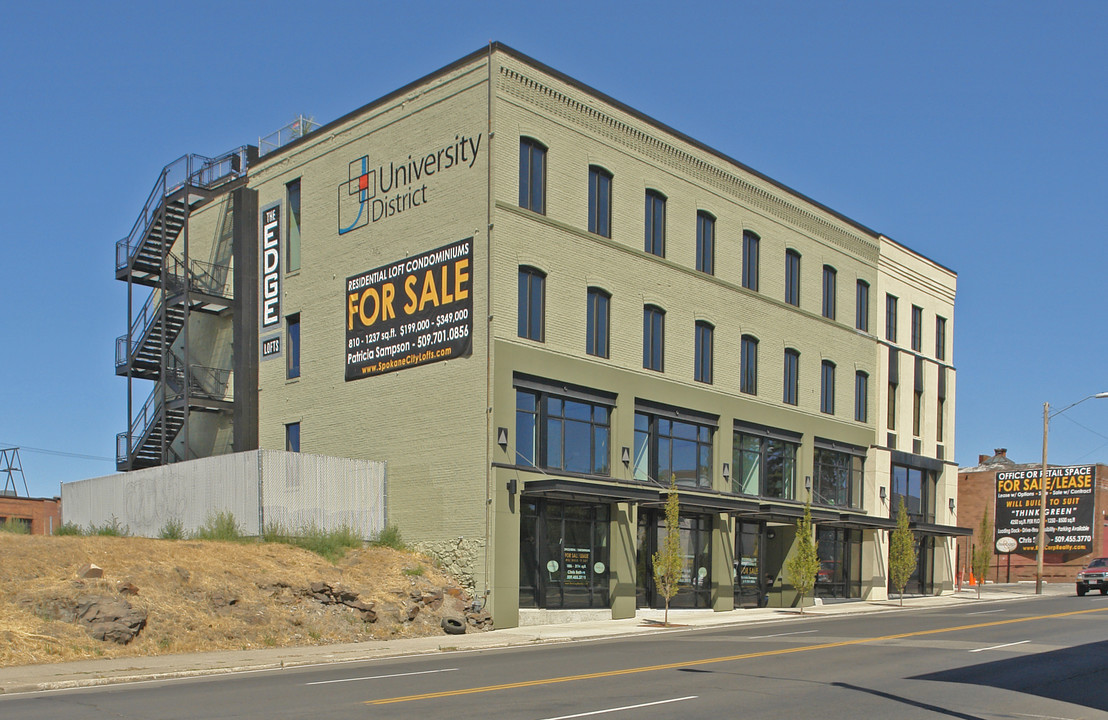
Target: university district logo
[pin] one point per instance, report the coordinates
(371, 194)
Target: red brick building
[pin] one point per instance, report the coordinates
(42, 515)
(977, 490)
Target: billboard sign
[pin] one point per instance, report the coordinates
(1069, 508)
(411, 312)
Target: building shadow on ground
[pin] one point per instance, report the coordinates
(1074, 675)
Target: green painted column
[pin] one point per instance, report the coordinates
(723, 563)
(624, 524)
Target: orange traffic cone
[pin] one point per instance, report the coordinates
(972, 579)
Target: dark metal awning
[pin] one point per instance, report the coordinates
(594, 492)
(860, 522)
(712, 503)
(933, 529)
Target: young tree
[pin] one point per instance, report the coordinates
(902, 552)
(983, 553)
(802, 567)
(668, 562)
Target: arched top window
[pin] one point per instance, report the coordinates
(600, 201)
(792, 277)
(532, 302)
(655, 240)
(705, 242)
(532, 175)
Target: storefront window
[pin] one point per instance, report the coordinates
(695, 585)
(563, 558)
(666, 447)
(838, 479)
(763, 465)
(560, 433)
(840, 563)
(917, 488)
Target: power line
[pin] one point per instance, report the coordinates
(56, 453)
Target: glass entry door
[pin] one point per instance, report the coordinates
(748, 575)
(695, 585)
(563, 555)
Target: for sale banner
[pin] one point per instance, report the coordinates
(411, 312)
(1069, 508)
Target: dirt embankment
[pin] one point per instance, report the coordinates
(192, 595)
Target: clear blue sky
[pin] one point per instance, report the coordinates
(974, 133)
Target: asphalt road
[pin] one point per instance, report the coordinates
(1035, 658)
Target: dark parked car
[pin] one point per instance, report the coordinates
(1095, 575)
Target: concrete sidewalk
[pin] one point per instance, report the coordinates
(88, 673)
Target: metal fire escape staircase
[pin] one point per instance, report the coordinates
(179, 286)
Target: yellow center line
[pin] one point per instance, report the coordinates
(709, 661)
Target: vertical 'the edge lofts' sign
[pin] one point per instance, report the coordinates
(269, 296)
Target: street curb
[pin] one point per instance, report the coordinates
(558, 635)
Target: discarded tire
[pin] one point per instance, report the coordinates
(453, 626)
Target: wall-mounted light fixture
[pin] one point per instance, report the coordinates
(502, 438)
(951, 504)
(883, 495)
(808, 483)
(512, 486)
(726, 471)
(626, 456)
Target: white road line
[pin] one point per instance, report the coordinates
(380, 677)
(984, 612)
(625, 707)
(798, 632)
(997, 647)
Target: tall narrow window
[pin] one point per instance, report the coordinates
(827, 387)
(600, 201)
(792, 277)
(861, 306)
(293, 367)
(917, 328)
(940, 338)
(861, 396)
(894, 382)
(655, 242)
(940, 411)
(705, 243)
(703, 370)
(532, 298)
(532, 175)
(890, 318)
(792, 375)
(917, 399)
(829, 275)
(292, 437)
(939, 418)
(596, 340)
(890, 420)
(748, 378)
(292, 242)
(750, 260)
(653, 337)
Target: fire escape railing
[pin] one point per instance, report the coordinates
(202, 277)
(204, 383)
(195, 170)
(143, 421)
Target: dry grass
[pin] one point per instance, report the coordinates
(185, 587)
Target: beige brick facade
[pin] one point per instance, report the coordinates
(452, 487)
